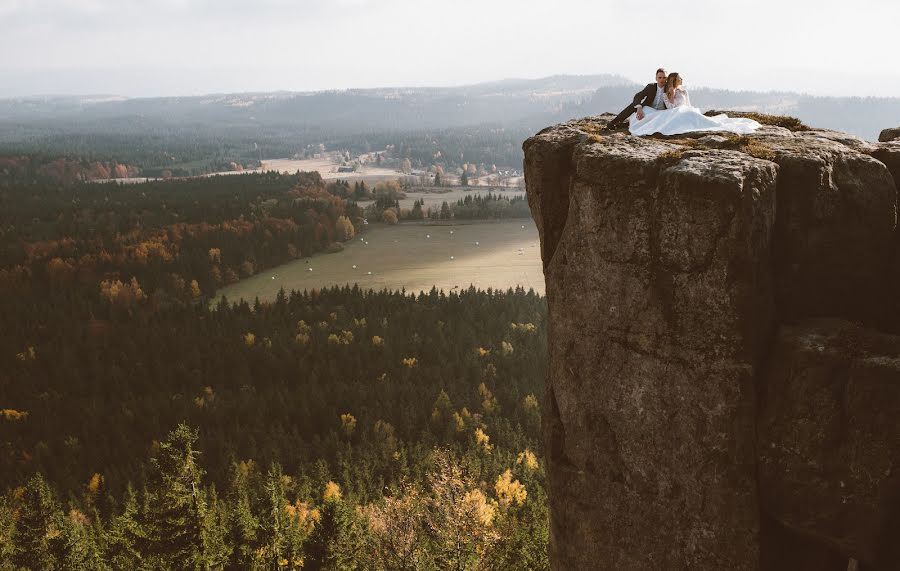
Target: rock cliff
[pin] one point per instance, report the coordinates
(724, 385)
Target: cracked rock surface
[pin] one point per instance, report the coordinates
(673, 268)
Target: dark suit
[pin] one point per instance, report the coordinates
(642, 97)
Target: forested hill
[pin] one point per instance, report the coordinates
(352, 110)
(514, 102)
(483, 123)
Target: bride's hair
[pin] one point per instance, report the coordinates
(670, 83)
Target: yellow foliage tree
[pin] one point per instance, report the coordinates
(114, 291)
(94, 483)
(527, 459)
(332, 492)
(459, 515)
(29, 354)
(13, 415)
(389, 216)
(249, 339)
(509, 491)
(345, 338)
(348, 423)
(477, 504)
(523, 327)
(488, 402)
(344, 229)
(483, 440)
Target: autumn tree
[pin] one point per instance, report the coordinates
(344, 229)
(460, 517)
(398, 533)
(389, 216)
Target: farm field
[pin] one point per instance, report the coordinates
(414, 256)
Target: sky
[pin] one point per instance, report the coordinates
(192, 47)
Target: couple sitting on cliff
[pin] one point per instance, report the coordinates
(664, 107)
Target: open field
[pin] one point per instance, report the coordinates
(328, 169)
(403, 256)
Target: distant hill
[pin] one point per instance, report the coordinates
(530, 103)
(354, 109)
(483, 123)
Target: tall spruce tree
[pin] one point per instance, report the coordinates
(38, 538)
(336, 539)
(125, 535)
(243, 524)
(177, 506)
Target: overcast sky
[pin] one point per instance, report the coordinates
(181, 47)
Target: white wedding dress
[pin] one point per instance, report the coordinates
(682, 117)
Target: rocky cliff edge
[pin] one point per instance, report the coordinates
(724, 385)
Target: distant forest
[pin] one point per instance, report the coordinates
(447, 127)
(142, 427)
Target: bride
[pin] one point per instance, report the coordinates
(680, 116)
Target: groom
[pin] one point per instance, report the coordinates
(651, 96)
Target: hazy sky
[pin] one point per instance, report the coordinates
(177, 47)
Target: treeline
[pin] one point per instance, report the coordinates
(62, 169)
(386, 205)
(492, 206)
(164, 149)
(167, 240)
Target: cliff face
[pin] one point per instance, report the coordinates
(686, 280)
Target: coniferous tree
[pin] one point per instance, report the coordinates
(125, 534)
(275, 518)
(337, 538)
(39, 541)
(81, 551)
(7, 529)
(177, 507)
(216, 548)
(243, 524)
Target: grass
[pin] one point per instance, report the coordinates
(593, 130)
(671, 157)
(749, 146)
(402, 256)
